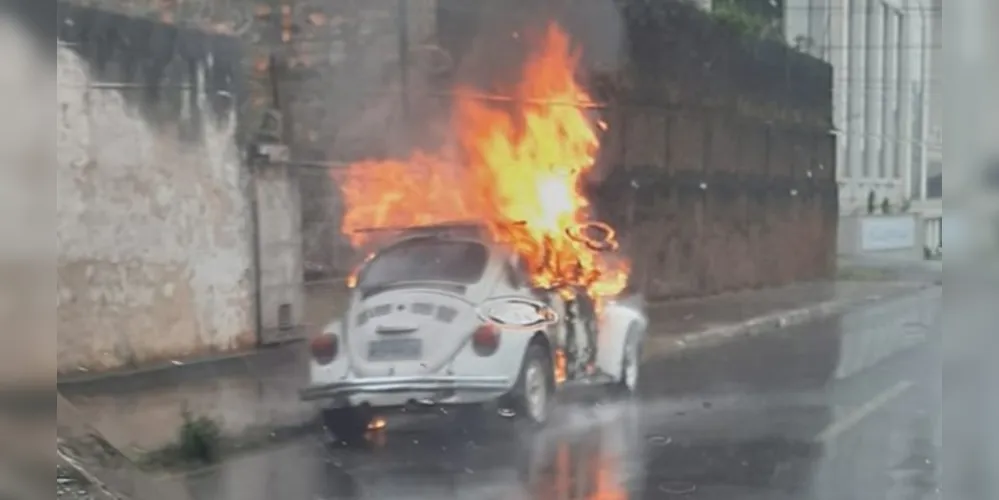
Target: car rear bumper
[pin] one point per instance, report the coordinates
(405, 385)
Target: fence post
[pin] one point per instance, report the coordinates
(258, 304)
(402, 25)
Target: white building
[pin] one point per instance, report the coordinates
(935, 146)
(889, 135)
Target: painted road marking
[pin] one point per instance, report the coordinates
(837, 428)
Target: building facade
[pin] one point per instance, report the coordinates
(935, 147)
(886, 93)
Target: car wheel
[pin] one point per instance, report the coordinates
(348, 424)
(533, 394)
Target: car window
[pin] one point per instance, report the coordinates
(426, 259)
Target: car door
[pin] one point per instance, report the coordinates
(516, 279)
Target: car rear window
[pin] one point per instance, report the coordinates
(426, 259)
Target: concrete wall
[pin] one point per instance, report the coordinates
(888, 235)
(332, 70)
(153, 221)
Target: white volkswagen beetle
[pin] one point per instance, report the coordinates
(442, 318)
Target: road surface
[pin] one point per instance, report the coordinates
(844, 408)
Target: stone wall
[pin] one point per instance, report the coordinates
(154, 229)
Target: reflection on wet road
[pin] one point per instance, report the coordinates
(846, 408)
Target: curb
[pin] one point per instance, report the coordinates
(208, 362)
(711, 337)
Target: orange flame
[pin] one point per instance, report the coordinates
(521, 177)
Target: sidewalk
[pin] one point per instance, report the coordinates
(683, 325)
(889, 267)
(257, 393)
(249, 395)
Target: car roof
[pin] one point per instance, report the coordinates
(454, 227)
(458, 231)
(458, 238)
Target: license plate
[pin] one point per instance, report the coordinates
(395, 350)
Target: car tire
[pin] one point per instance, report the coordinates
(348, 424)
(533, 396)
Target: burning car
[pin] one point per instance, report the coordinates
(440, 317)
(521, 302)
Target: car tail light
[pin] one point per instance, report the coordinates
(324, 348)
(486, 339)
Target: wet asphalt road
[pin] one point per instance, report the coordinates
(847, 408)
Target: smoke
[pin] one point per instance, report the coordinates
(506, 32)
(598, 26)
(481, 45)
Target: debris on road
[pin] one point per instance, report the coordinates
(72, 486)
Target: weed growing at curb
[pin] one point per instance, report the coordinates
(199, 442)
(190, 452)
(199, 439)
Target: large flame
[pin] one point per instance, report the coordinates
(523, 168)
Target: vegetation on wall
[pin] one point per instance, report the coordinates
(754, 18)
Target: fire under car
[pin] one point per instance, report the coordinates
(442, 318)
